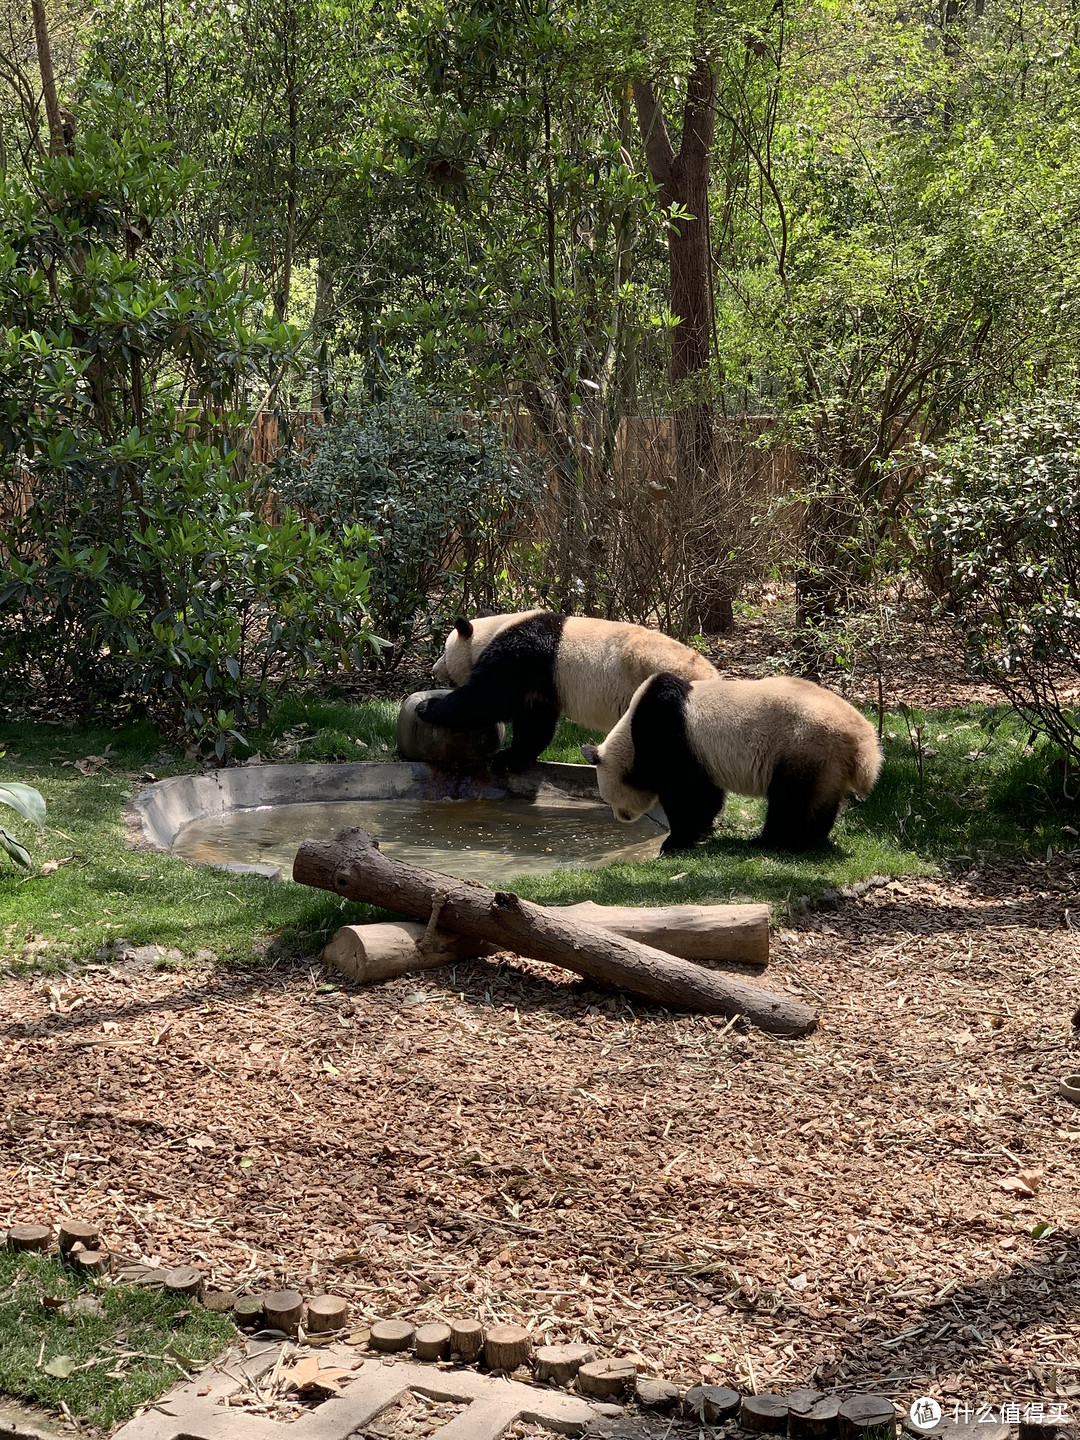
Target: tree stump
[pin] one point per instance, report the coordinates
(220, 1301)
(391, 1335)
(606, 1379)
(248, 1310)
(467, 1338)
(711, 1403)
(326, 1312)
(185, 1280)
(506, 1347)
(817, 1421)
(29, 1237)
(561, 1363)
(433, 1341)
(653, 1394)
(283, 1309)
(78, 1232)
(765, 1414)
(92, 1262)
(467, 751)
(867, 1417)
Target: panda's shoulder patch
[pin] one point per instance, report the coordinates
(663, 756)
(524, 650)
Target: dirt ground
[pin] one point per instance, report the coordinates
(494, 1140)
(891, 1204)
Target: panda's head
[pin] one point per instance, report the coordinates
(467, 641)
(454, 664)
(614, 761)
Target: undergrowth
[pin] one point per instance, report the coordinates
(966, 786)
(133, 1345)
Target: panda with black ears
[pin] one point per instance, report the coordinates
(534, 666)
(688, 743)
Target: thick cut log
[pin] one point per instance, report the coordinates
(185, 1280)
(29, 1237)
(506, 1347)
(711, 1403)
(283, 1309)
(725, 934)
(561, 1363)
(467, 1338)
(78, 1232)
(815, 1421)
(325, 1313)
(433, 1341)
(867, 1417)
(248, 1310)
(654, 1394)
(352, 865)
(91, 1262)
(391, 1335)
(606, 1379)
(764, 1414)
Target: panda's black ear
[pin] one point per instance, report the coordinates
(463, 627)
(591, 754)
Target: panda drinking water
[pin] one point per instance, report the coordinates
(533, 666)
(687, 742)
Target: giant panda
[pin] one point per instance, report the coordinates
(690, 742)
(535, 665)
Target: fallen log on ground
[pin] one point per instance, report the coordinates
(728, 934)
(352, 865)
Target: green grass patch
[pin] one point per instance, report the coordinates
(110, 1363)
(983, 789)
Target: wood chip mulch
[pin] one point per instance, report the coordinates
(854, 1209)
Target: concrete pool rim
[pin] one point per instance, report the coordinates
(159, 811)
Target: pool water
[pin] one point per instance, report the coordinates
(487, 840)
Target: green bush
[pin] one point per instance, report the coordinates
(137, 571)
(1004, 513)
(446, 507)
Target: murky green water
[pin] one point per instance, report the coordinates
(488, 840)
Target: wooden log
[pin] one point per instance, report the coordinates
(734, 934)
(391, 1335)
(325, 1313)
(29, 1237)
(248, 1310)
(283, 1309)
(816, 1421)
(764, 1414)
(91, 1262)
(711, 1403)
(433, 1341)
(467, 1338)
(221, 1302)
(654, 1394)
(560, 1363)
(726, 934)
(606, 1379)
(185, 1280)
(506, 1347)
(867, 1417)
(352, 865)
(78, 1232)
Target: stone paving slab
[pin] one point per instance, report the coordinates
(493, 1403)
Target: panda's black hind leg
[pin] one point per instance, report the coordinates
(797, 819)
(534, 730)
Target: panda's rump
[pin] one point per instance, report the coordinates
(601, 663)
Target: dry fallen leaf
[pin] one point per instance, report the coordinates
(1020, 1184)
(306, 1375)
(90, 764)
(51, 866)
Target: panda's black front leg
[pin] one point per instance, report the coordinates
(690, 818)
(534, 730)
(467, 708)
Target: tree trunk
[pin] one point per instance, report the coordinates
(57, 143)
(682, 180)
(352, 865)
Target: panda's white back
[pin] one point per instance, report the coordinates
(739, 729)
(601, 664)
